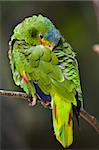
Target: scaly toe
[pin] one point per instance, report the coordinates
(34, 101)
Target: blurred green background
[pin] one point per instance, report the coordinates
(24, 127)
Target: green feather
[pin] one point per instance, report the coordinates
(56, 74)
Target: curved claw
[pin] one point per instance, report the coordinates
(33, 102)
(46, 104)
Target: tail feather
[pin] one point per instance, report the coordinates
(62, 121)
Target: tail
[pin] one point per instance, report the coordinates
(62, 120)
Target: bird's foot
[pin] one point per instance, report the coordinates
(46, 104)
(32, 101)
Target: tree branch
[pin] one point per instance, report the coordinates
(85, 115)
(90, 119)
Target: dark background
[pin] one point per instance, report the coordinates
(24, 127)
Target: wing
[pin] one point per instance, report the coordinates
(69, 66)
(19, 65)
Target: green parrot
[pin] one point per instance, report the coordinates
(45, 66)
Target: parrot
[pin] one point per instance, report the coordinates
(45, 66)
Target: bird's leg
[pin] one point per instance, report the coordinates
(32, 100)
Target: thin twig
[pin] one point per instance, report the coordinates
(90, 119)
(14, 94)
(85, 115)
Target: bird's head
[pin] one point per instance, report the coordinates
(38, 30)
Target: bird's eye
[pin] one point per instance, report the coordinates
(41, 36)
